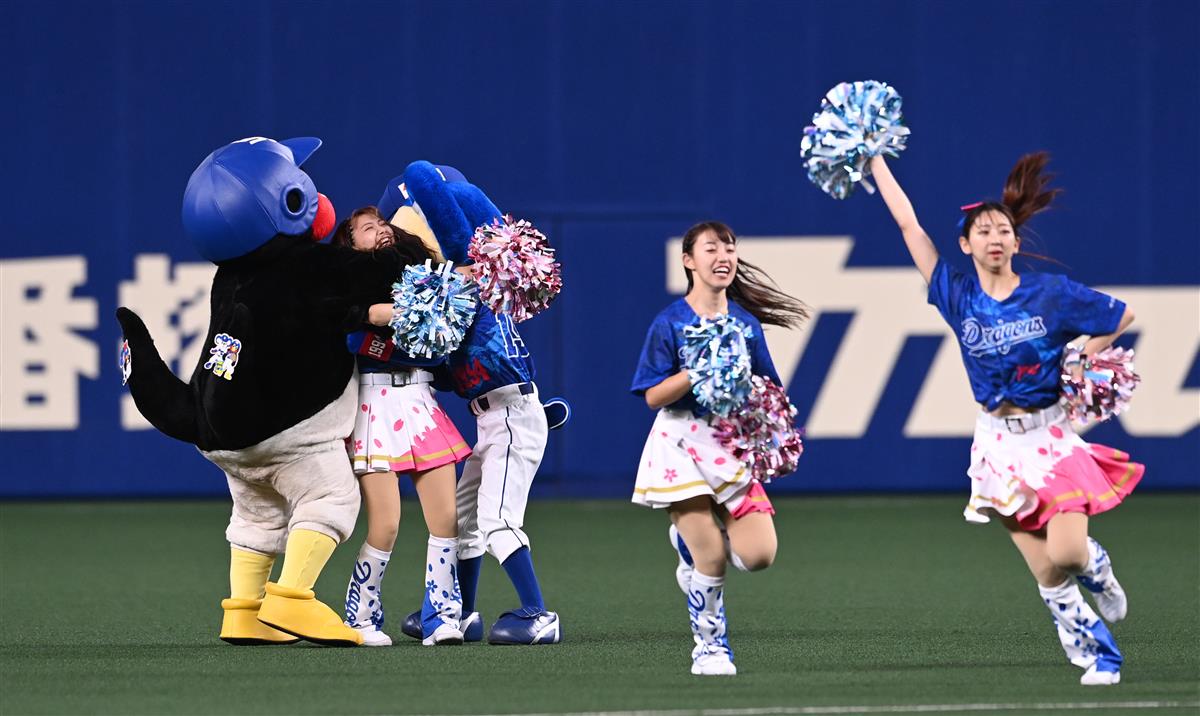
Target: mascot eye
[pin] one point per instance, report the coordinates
(295, 200)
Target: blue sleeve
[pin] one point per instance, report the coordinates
(760, 357)
(659, 359)
(946, 289)
(1086, 310)
(355, 340)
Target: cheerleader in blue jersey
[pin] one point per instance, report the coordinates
(718, 512)
(400, 428)
(1028, 467)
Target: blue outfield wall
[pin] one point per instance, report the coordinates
(613, 126)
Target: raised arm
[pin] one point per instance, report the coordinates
(924, 255)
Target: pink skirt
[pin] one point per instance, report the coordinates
(1035, 475)
(683, 459)
(403, 429)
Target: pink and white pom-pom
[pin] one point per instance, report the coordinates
(1105, 388)
(762, 433)
(515, 268)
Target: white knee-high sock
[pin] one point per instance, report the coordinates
(364, 594)
(1083, 636)
(706, 607)
(1096, 575)
(443, 600)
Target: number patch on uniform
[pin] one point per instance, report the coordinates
(514, 347)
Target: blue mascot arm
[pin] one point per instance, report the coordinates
(475, 205)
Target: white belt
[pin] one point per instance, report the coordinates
(1024, 422)
(399, 379)
(501, 397)
(685, 414)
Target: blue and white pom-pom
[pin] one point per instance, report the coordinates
(431, 310)
(857, 121)
(717, 360)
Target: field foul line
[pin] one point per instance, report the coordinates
(889, 709)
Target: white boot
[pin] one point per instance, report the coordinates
(364, 596)
(712, 655)
(442, 608)
(1098, 578)
(1086, 641)
(1094, 677)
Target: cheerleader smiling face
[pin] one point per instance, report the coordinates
(711, 259)
(991, 241)
(369, 231)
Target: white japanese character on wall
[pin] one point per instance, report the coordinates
(41, 355)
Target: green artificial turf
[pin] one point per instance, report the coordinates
(114, 608)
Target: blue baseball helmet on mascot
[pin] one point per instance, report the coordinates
(245, 193)
(274, 395)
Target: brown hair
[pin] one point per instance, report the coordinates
(1026, 192)
(751, 289)
(411, 247)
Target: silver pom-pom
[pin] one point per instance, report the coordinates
(431, 310)
(717, 359)
(857, 121)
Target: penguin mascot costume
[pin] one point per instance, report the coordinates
(274, 396)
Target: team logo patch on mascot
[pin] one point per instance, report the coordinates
(125, 361)
(224, 356)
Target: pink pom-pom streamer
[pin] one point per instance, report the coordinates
(1105, 388)
(762, 433)
(515, 268)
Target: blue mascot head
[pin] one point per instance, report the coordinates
(245, 193)
(452, 206)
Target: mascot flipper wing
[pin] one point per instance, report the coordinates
(165, 400)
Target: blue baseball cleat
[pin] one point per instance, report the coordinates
(558, 412)
(412, 626)
(471, 627)
(527, 625)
